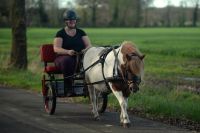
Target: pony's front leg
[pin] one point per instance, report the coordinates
(92, 94)
(124, 114)
(124, 118)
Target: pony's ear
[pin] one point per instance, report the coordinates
(142, 57)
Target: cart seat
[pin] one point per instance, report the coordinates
(48, 56)
(52, 69)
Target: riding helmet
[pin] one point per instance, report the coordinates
(70, 15)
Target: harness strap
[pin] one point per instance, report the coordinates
(102, 65)
(81, 72)
(101, 60)
(116, 64)
(109, 79)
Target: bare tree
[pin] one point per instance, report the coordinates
(145, 6)
(115, 13)
(18, 57)
(168, 13)
(93, 6)
(182, 16)
(195, 12)
(137, 14)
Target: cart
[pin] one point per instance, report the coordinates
(53, 83)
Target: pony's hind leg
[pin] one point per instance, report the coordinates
(92, 94)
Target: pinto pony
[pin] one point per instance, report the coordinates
(120, 71)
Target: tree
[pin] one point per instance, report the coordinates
(18, 57)
(4, 13)
(145, 6)
(42, 13)
(168, 13)
(115, 14)
(182, 16)
(195, 13)
(195, 4)
(137, 14)
(93, 6)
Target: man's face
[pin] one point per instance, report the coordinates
(71, 23)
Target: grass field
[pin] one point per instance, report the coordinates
(172, 67)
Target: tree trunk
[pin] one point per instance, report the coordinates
(146, 17)
(168, 14)
(94, 7)
(18, 57)
(115, 15)
(195, 15)
(137, 15)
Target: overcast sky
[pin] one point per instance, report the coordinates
(163, 3)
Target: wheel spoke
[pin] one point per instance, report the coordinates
(50, 99)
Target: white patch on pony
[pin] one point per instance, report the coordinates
(96, 71)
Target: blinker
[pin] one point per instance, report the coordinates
(136, 79)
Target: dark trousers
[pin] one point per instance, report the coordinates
(67, 65)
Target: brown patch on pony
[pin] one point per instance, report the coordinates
(121, 86)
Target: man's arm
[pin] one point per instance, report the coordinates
(57, 46)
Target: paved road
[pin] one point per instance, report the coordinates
(22, 112)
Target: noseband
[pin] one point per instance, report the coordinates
(131, 80)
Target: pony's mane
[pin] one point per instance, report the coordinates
(129, 47)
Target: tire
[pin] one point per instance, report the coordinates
(49, 98)
(102, 100)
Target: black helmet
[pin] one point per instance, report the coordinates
(70, 15)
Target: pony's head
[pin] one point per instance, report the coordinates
(133, 65)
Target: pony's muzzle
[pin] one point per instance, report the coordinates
(133, 87)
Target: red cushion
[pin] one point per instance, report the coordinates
(52, 69)
(47, 53)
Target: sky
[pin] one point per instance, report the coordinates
(157, 3)
(163, 3)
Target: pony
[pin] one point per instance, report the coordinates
(119, 70)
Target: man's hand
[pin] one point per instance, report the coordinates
(71, 52)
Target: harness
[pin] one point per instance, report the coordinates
(115, 68)
(117, 72)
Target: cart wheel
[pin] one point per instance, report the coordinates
(102, 100)
(49, 99)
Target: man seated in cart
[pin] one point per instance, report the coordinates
(67, 42)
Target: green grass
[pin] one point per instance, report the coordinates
(172, 54)
(164, 103)
(20, 78)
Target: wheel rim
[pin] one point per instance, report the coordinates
(48, 99)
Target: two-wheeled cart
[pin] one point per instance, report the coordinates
(53, 86)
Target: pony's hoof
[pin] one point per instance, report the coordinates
(126, 125)
(97, 118)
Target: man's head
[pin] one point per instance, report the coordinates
(70, 19)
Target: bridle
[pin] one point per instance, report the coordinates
(129, 78)
(132, 80)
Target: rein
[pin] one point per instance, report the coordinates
(101, 60)
(117, 72)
